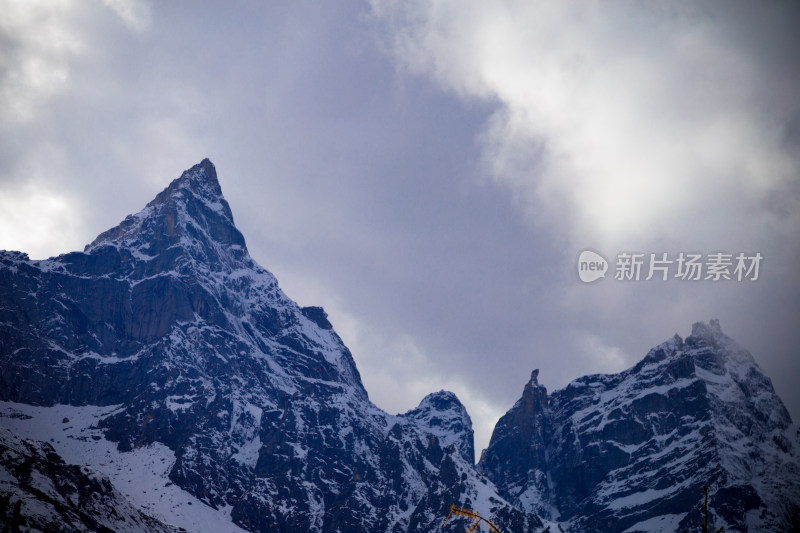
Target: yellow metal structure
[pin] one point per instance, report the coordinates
(466, 513)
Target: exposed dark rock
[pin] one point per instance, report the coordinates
(318, 316)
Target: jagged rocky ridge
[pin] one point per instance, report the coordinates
(167, 319)
(629, 452)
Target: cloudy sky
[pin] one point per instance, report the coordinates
(430, 171)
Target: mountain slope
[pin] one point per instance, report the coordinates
(167, 322)
(38, 490)
(630, 451)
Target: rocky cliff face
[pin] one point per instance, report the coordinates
(168, 322)
(631, 451)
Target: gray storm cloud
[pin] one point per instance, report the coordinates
(626, 121)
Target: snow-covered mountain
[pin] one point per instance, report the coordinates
(161, 379)
(630, 452)
(172, 366)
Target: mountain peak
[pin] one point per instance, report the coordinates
(443, 415)
(442, 404)
(191, 213)
(200, 181)
(711, 332)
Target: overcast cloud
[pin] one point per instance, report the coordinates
(429, 171)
